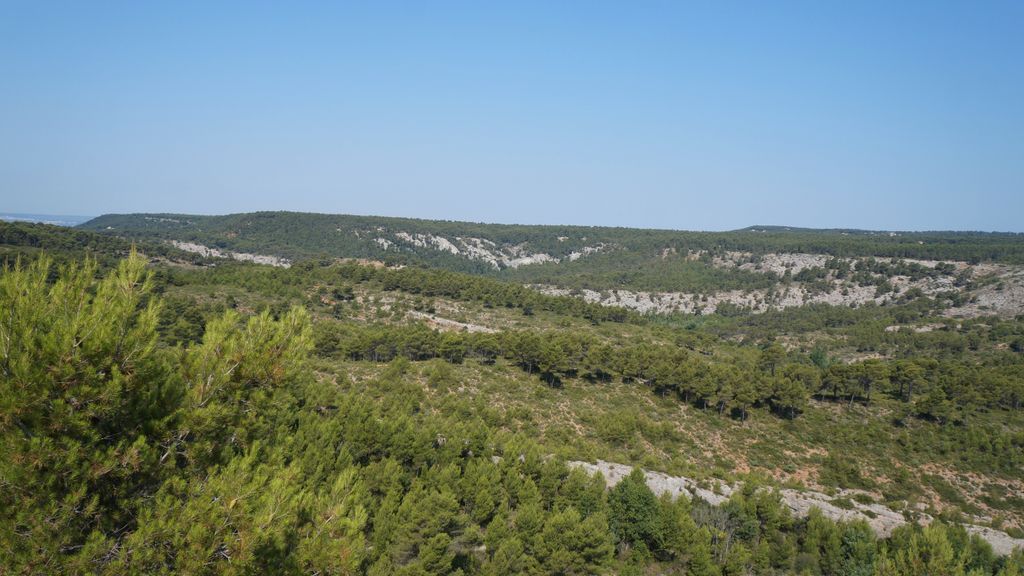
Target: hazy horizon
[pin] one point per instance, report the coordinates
(871, 116)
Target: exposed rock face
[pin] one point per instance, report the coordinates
(241, 256)
(659, 483)
(1003, 295)
(882, 519)
(499, 256)
(428, 240)
(691, 303)
(574, 256)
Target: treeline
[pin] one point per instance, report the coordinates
(641, 269)
(119, 454)
(27, 239)
(553, 356)
(945, 391)
(948, 390)
(970, 247)
(58, 238)
(417, 281)
(299, 235)
(491, 293)
(872, 272)
(905, 329)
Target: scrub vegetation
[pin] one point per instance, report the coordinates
(389, 413)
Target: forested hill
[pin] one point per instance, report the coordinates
(472, 247)
(170, 415)
(650, 271)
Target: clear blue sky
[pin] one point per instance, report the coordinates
(713, 115)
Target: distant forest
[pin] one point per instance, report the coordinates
(302, 235)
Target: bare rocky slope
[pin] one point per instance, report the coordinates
(240, 256)
(842, 507)
(987, 289)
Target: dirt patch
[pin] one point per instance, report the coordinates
(446, 325)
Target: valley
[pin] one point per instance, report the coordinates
(884, 392)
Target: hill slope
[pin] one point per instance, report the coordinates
(442, 421)
(501, 246)
(751, 270)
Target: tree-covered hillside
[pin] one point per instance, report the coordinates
(488, 248)
(649, 271)
(25, 240)
(186, 416)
